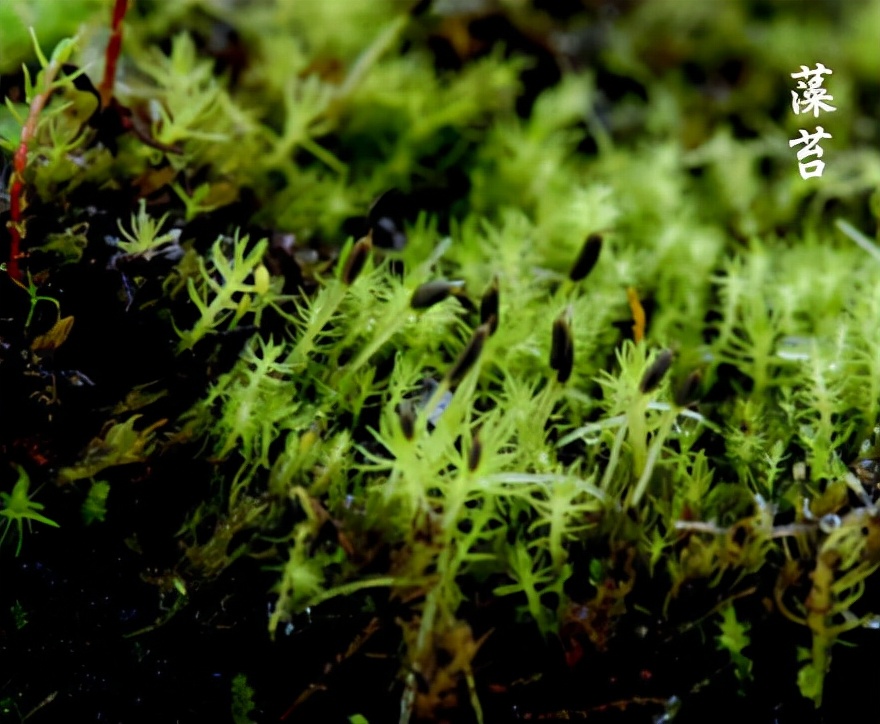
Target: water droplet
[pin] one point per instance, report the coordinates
(829, 522)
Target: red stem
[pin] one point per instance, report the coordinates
(112, 55)
(15, 220)
(16, 189)
(18, 168)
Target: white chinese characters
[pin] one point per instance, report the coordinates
(813, 100)
(815, 167)
(814, 95)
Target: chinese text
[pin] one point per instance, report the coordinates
(813, 99)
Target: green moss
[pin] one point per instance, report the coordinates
(362, 445)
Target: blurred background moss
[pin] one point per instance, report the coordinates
(711, 79)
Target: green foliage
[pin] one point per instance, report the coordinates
(18, 16)
(533, 583)
(363, 443)
(228, 289)
(242, 700)
(196, 115)
(56, 142)
(849, 553)
(253, 404)
(34, 299)
(144, 238)
(94, 507)
(70, 243)
(20, 508)
(733, 638)
(120, 444)
(19, 615)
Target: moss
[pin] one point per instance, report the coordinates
(439, 411)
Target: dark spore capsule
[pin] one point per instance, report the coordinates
(356, 259)
(654, 374)
(867, 470)
(386, 219)
(475, 453)
(431, 293)
(468, 356)
(562, 347)
(489, 307)
(406, 412)
(687, 391)
(587, 259)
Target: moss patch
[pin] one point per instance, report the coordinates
(495, 360)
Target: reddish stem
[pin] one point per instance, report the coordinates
(14, 228)
(28, 131)
(19, 165)
(112, 54)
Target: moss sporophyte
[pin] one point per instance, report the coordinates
(484, 351)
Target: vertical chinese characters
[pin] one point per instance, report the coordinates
(814, 95)
(813, 99)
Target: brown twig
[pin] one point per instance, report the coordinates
(356, 644)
